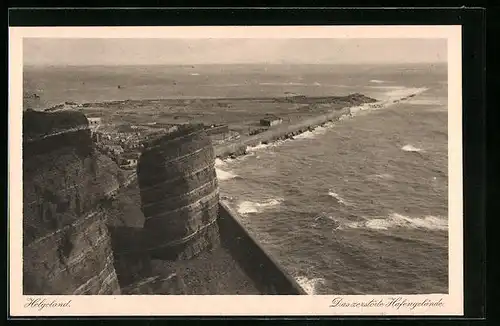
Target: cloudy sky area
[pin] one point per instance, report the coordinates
(231, 51)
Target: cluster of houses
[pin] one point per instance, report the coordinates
(124, 149)
(125, 143)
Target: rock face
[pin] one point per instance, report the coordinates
(66, 245)
(179, 194)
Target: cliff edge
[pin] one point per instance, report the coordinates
(164, 226)
(66, 244)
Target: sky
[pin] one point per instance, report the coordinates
(57, 51)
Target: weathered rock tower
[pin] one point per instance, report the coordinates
(179, 194)
(66, 245)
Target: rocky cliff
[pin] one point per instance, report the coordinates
(171, 245)
(179, 193)
(161, 234)
(66, 244)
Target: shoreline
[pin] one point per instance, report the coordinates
(240, 148)
(173, 100)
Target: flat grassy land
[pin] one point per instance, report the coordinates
(241, 114)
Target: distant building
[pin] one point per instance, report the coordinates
(94, 121)
(129, 160)
(271, 120)
(94, 124)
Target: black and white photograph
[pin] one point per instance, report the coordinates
(237, 166)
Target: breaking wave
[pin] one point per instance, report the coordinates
(224, 175)
(396, 220)
(253, 149)
(258, 147)
(219, 162)
(337, 197)
(377, 81)
(247, 207)
(310, 285)
(316, 132)
(411, 148)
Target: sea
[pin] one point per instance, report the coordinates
(358, 206)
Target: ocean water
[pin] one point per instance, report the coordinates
(359, 206)
(355, 207)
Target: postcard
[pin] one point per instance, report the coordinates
(237, 170)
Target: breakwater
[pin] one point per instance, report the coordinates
(358, 102)
(277, 133)
(266, 273)
(70, 246)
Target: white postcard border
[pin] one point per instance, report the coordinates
(220, 305)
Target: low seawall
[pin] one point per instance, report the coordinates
(266, 273)
(277, 133)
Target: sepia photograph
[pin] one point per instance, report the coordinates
(236, 165)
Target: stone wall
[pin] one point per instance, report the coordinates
(280, 132)
(268, 276)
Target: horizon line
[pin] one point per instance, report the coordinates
(235, 63)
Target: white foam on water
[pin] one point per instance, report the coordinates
(194, 74)
(219, 162)
(224, 175)
(222, 163)
(259, 147)
(306, 135)
(379, 224)
(310, 285)
(411, 148)
(338, 198)
(396, 220)
(427, 222)
(314, 133)
(377, 81)
(247, 207)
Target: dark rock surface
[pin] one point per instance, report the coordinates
(78, 240)
(66, 245)
(179, 193)
(212, 271)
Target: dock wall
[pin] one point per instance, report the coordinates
(265, 272)
(277, 133)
